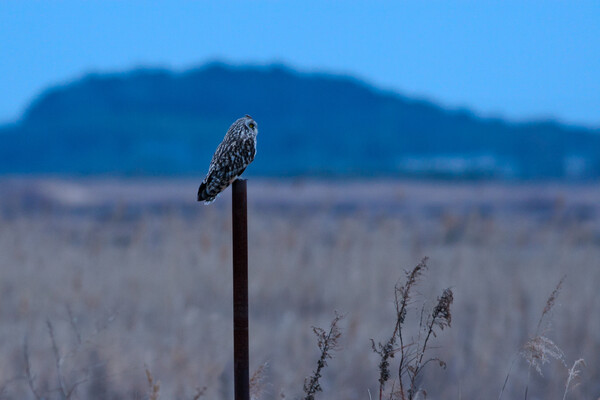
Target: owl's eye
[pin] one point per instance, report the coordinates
(251, 125)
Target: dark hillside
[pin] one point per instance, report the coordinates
(157, 122)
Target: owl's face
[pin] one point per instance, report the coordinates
(250, 125)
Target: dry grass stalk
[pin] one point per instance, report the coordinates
(538, 350)
(5, 384)
(440, 318)
(512, 364)
(402, 301)
(28, 374)
(199, 393)
(573, 375)
(153, 386)
(66, 388)
(328, 342)
(66, 391)
(73, 322)
(550, 303)
(412, 354)
(257, 382)
(58, 360)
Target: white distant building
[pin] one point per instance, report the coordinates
(577, 166)
(458, 165)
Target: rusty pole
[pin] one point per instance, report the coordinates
(241, 354)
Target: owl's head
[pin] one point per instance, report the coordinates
(250, 125)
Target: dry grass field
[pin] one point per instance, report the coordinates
(129, 275)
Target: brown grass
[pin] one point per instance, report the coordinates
(411, 352)
(159, 269)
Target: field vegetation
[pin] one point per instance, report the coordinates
(107, 285)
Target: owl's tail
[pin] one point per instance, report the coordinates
(203, 194)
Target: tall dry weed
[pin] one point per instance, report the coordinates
(328, 342)
(539, 350)
(412, 350)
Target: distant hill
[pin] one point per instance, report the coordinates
(157, 122)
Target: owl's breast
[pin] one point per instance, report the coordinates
(249, 148)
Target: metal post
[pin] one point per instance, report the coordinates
(241, 356)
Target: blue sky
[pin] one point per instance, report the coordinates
(518, 59)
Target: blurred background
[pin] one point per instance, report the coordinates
(466, 132)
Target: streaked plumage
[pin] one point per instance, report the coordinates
(231, 158)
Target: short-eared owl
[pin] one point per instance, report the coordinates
(233, 155)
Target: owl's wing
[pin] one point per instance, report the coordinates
(242, 171)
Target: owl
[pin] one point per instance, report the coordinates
(234, 154)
